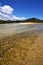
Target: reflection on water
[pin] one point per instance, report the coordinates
(9, 29)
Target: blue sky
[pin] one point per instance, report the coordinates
(24, 8)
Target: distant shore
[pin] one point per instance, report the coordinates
(32, 20)
(25, 23)
(30, 23)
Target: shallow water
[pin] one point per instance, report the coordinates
(9, 29)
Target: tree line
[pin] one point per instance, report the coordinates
(33, 20)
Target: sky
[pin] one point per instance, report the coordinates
(21, 9)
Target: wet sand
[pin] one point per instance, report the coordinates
(22, 49)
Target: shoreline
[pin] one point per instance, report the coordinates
(20, 34)
(24, 23)
(15, 34)
(30, 23)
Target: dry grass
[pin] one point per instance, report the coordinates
(20, 50)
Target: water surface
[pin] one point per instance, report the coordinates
(10, 29)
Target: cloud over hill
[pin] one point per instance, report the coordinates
(6, 13)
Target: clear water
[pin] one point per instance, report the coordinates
(10, 29)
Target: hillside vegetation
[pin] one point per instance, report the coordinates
(34, 20)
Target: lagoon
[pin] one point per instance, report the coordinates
(11, 29)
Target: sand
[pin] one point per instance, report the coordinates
(22, 49)
(28, 23)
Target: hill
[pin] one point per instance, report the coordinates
(35, 20)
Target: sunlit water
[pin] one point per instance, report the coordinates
(10, 29)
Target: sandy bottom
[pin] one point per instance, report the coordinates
(22, 49)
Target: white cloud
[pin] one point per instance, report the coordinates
(4, 17)
(18, 18)
(10, 17)
(6, 9)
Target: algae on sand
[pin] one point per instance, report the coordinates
(18, 50)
